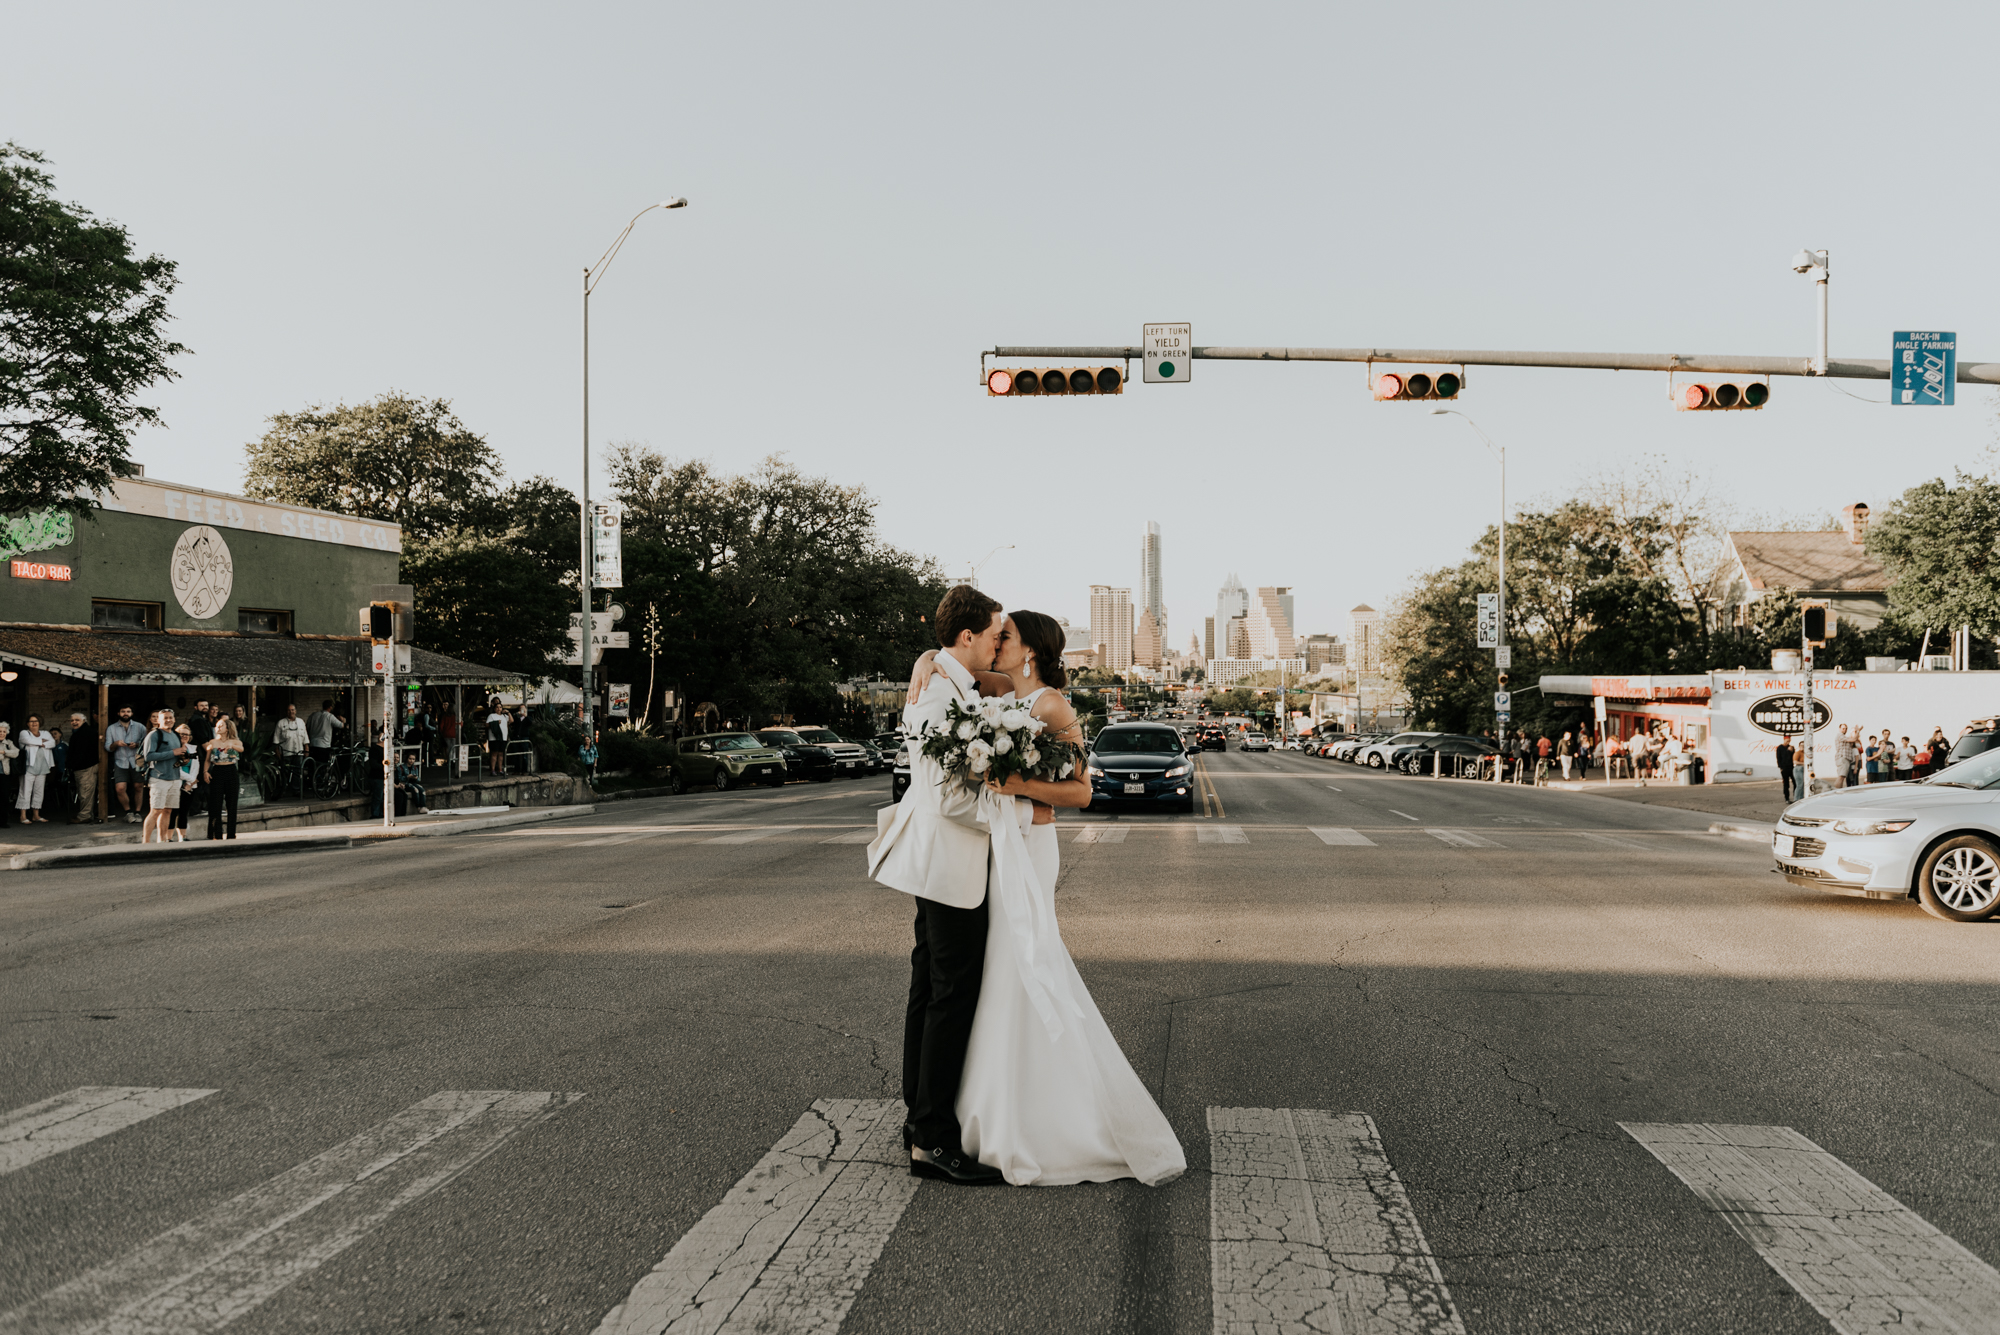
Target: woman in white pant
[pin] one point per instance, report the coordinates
(38, 757)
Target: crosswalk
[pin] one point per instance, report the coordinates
(1310, 1227)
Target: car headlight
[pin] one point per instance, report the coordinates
(1871, 826)
(1177, 771)
(1096, 773)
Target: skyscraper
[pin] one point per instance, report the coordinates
(1363, 638)
(1231, 600)
(1111, 626)
(1208, 638)
(1147, 650)
(1269, 624)
(1151, 597)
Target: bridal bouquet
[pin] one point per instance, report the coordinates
(996, 739)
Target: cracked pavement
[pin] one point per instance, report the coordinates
(1491, 1015)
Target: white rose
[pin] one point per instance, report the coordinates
(979, 750)
(1013, 720)
(968, 730)
(979, 765)
(990, 709)
(1031, 755)
(1002, 744)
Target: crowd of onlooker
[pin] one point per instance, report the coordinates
(1654, 754)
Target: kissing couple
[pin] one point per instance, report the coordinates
(1009, 1072)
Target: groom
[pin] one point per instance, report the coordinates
(933, 848)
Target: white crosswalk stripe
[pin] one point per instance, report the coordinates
(1462, 839)
(1339, 835)
(1863, 1259)
(788, 1248)
(1101, 834)
(1613, 841)
(1310, 1230)
(80, 1116)
(852, 837)
(750, 836)
(223, 1263)
(1220, 834)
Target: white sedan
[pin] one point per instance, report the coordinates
(1256, 741)
(1936, 841)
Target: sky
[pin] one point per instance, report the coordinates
(373, 197)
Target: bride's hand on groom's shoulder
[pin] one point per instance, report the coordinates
(921, 674)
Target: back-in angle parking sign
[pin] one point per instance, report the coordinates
(1923, 367)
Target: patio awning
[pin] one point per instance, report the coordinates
(142, 658)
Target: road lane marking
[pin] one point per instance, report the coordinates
(225, 1262)
(1462, 839)
(1337, 790)
(752, 836)
(851, 837)
(1863, 1259)
(1101, 834)
(1310, 1229)
(619, 838)
(792, 1242)
(1337, 834)
(1220, 834)
(1596, 838)
(80, 1116)
(1392, 811)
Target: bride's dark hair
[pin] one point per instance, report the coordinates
(1044, 639)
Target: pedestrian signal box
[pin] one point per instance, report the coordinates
(1819, 623)
(1722, 397)
(381, 618)
(1048, 381)
(1416, 385)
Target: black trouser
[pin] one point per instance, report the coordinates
(1785, 775)
(222, 789)
(10, 787)
(944, 993)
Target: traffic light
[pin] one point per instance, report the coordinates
(381, 622)
(1722, 397)
(1013, 383)
(1416, 385)
(1819, 623)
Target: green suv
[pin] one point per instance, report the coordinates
(721, 760)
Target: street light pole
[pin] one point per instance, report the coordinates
(974, 581)
(586, 570)
(1499, 452)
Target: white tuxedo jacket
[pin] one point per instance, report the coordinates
(932, 844)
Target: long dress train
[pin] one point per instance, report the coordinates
(1048, 1097)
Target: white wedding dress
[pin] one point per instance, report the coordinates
(1048, 1097)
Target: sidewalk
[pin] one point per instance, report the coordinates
(1760, 800)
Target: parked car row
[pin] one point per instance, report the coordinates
(774, 756)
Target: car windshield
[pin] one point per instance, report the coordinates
(738, 744)
(1138, 741)
(1402, 738)
(777, 737)
(819, 736)
(1982, 771)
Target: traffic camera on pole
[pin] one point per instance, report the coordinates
(1053, 381)
(1723, 397)
(1416, 385)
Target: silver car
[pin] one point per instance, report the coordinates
(1936, 841)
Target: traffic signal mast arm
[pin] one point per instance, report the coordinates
(1969, 373)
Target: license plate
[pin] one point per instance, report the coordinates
(1781, 844)
(1135, 788)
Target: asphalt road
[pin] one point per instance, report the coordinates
(1502, 980)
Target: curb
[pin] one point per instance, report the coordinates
(626, 794)
(1756, 834)
(278, 842)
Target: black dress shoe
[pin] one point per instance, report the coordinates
(952, 1165)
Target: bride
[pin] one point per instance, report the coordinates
(1047, 1096)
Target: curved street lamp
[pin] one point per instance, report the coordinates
(586, 570)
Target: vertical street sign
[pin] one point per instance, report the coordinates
(1489, 621)
(608, 556)
(1923, 368)
(1503, 701)
(1503, 657)
(1168, 350)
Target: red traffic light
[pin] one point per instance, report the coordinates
(1416, 385)
(1022, 382)
(1722, 397)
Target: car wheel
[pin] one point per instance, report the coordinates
(823, 778)
(677, 783)
(1375, 760)
(1960, 880)
(722, 783)
(775, 781)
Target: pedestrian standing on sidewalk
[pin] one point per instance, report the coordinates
(160, 757)
(128, 780)
(10, 772)
(38, 757)
(1940, 750)
(1906, 761)
(1566, 753)
(83, 768)
(1786, 757)
(1843, 757)
(222, 762)
(1524, 753)
(191, 789)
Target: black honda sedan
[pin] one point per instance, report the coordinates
(1141, 763)
(803, 759)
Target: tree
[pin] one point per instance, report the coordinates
(82, 332)
(1941, 547)
(483, 598)
(409, 461)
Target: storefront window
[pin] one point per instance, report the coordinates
(263, 621)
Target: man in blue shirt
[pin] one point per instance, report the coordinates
(122, 740)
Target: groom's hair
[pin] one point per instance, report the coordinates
(1045, 639)
(964, 608)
